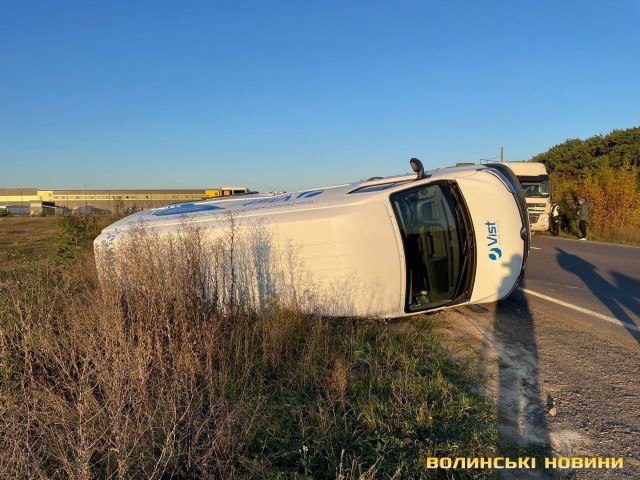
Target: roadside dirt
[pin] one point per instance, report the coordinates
(543, 361)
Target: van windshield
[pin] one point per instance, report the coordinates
(438, 244)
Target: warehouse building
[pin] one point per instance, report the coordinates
(45, 202)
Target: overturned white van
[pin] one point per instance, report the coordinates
(385, 247)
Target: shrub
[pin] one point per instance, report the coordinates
(76, 233)
(613, 198)
(605, 170)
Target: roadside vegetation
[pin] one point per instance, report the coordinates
(606, 170)
(157, 378)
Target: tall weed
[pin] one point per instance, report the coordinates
(152, 371)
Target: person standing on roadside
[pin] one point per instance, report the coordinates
(555, 218)
(583, 217)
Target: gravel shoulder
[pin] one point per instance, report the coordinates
(539, 355)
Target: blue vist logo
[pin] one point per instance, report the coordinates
(493, 239)
(495, 253)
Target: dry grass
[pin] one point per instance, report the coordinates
(629, 235)
(28, 236)
(625, 236)
(153, 375)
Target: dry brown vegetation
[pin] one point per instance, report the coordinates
(31, 236)
(150, 375)
(606, 170)
(614, 204)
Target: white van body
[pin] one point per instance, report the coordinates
(386, 248)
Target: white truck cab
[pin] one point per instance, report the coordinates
(385, 247)
(534, 180)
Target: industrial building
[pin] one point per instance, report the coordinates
(33, 201)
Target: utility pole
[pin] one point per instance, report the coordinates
(501, 154)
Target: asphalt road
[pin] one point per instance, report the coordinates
(569, 338)
(604, 278)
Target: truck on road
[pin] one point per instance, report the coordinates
(383, 247)
(534, 179)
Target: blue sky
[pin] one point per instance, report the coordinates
(296, 94)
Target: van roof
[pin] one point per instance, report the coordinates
(269, 204)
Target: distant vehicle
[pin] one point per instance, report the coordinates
(386, 247)
(534, 179)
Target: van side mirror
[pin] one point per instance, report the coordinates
(417, 167)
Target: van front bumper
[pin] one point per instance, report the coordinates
(513, 184)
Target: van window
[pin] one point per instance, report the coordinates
(437, 243)
(377, 187)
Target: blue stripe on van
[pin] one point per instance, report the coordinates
(185, 208)
(310, 194)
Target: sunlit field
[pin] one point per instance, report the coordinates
(157, 377)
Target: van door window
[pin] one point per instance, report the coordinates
(437, 244)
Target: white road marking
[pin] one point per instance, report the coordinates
(607, 318)
(535, 248)
(555, 284)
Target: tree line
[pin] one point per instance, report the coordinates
(605, 169)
